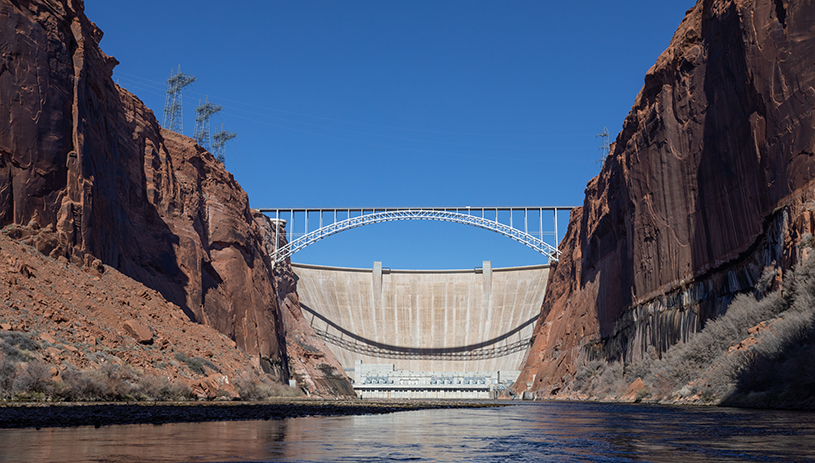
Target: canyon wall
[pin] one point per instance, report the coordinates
(311, 363)
(709, 182)
(85, 162)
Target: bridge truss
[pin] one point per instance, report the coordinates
(503, 220)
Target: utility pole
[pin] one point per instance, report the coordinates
(173, 119)
(605, 147)
(202, 115)
(219, 139)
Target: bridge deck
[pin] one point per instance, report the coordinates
(528, 225)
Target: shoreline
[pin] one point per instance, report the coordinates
(72, 414)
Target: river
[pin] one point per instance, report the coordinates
(548, 431)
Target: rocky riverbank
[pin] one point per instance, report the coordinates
(71, 414)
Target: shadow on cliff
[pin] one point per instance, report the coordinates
(733, 195)
(128, 232)
(781, 379)
(82, 164)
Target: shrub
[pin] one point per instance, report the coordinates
(585, 375)
(17, 346)
(152, 387)
(108, 382)
(196, 364)
(82, 386)
(599, 378)
(33, 381)
(255, 387)
(8, 371)
(611, 381)
(20, 340)
(776, 371)
(705, 355)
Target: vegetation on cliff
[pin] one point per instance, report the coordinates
(89, 333)
(757, 354)
(706, 185)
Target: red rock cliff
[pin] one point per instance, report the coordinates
(86, 159)
(706, 184)
(311, 363)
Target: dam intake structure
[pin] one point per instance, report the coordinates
(424, 333)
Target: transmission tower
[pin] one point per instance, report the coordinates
(219, 139)
(605, 147)
(172, 105)
(202, 115)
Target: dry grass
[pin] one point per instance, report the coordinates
(22, 378)
(255, 387)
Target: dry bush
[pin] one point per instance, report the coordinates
(78, 386)
(33, 382)
(780, 371)
(20, 340)
(599, 379)
(112, 382)
(704, 359)
(776, 371)
(196, 364)
(153, 387)
(253, 387)
(17, 349)
(586, 375)
(611, 381)
(702, 365)
(8, 371)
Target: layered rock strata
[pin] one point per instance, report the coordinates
(709, 181)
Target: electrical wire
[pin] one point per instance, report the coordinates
(153, 87)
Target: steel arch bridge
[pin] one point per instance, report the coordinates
(500, 220)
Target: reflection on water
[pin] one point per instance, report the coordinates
(523, 432)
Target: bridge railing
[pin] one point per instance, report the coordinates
(529, 225)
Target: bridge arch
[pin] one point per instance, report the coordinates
(465, 216)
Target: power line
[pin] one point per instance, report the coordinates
(344, 121)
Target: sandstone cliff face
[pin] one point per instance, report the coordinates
(87, 160)
(311, 362)
(709, 181)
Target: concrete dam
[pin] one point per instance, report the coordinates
(424, 333)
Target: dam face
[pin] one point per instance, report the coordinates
(400, 332)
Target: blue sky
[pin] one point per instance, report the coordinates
(400, 103)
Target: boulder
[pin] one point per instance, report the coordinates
(139, 332)
(636, 390)
(214, 387)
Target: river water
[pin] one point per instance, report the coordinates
(550, 431)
